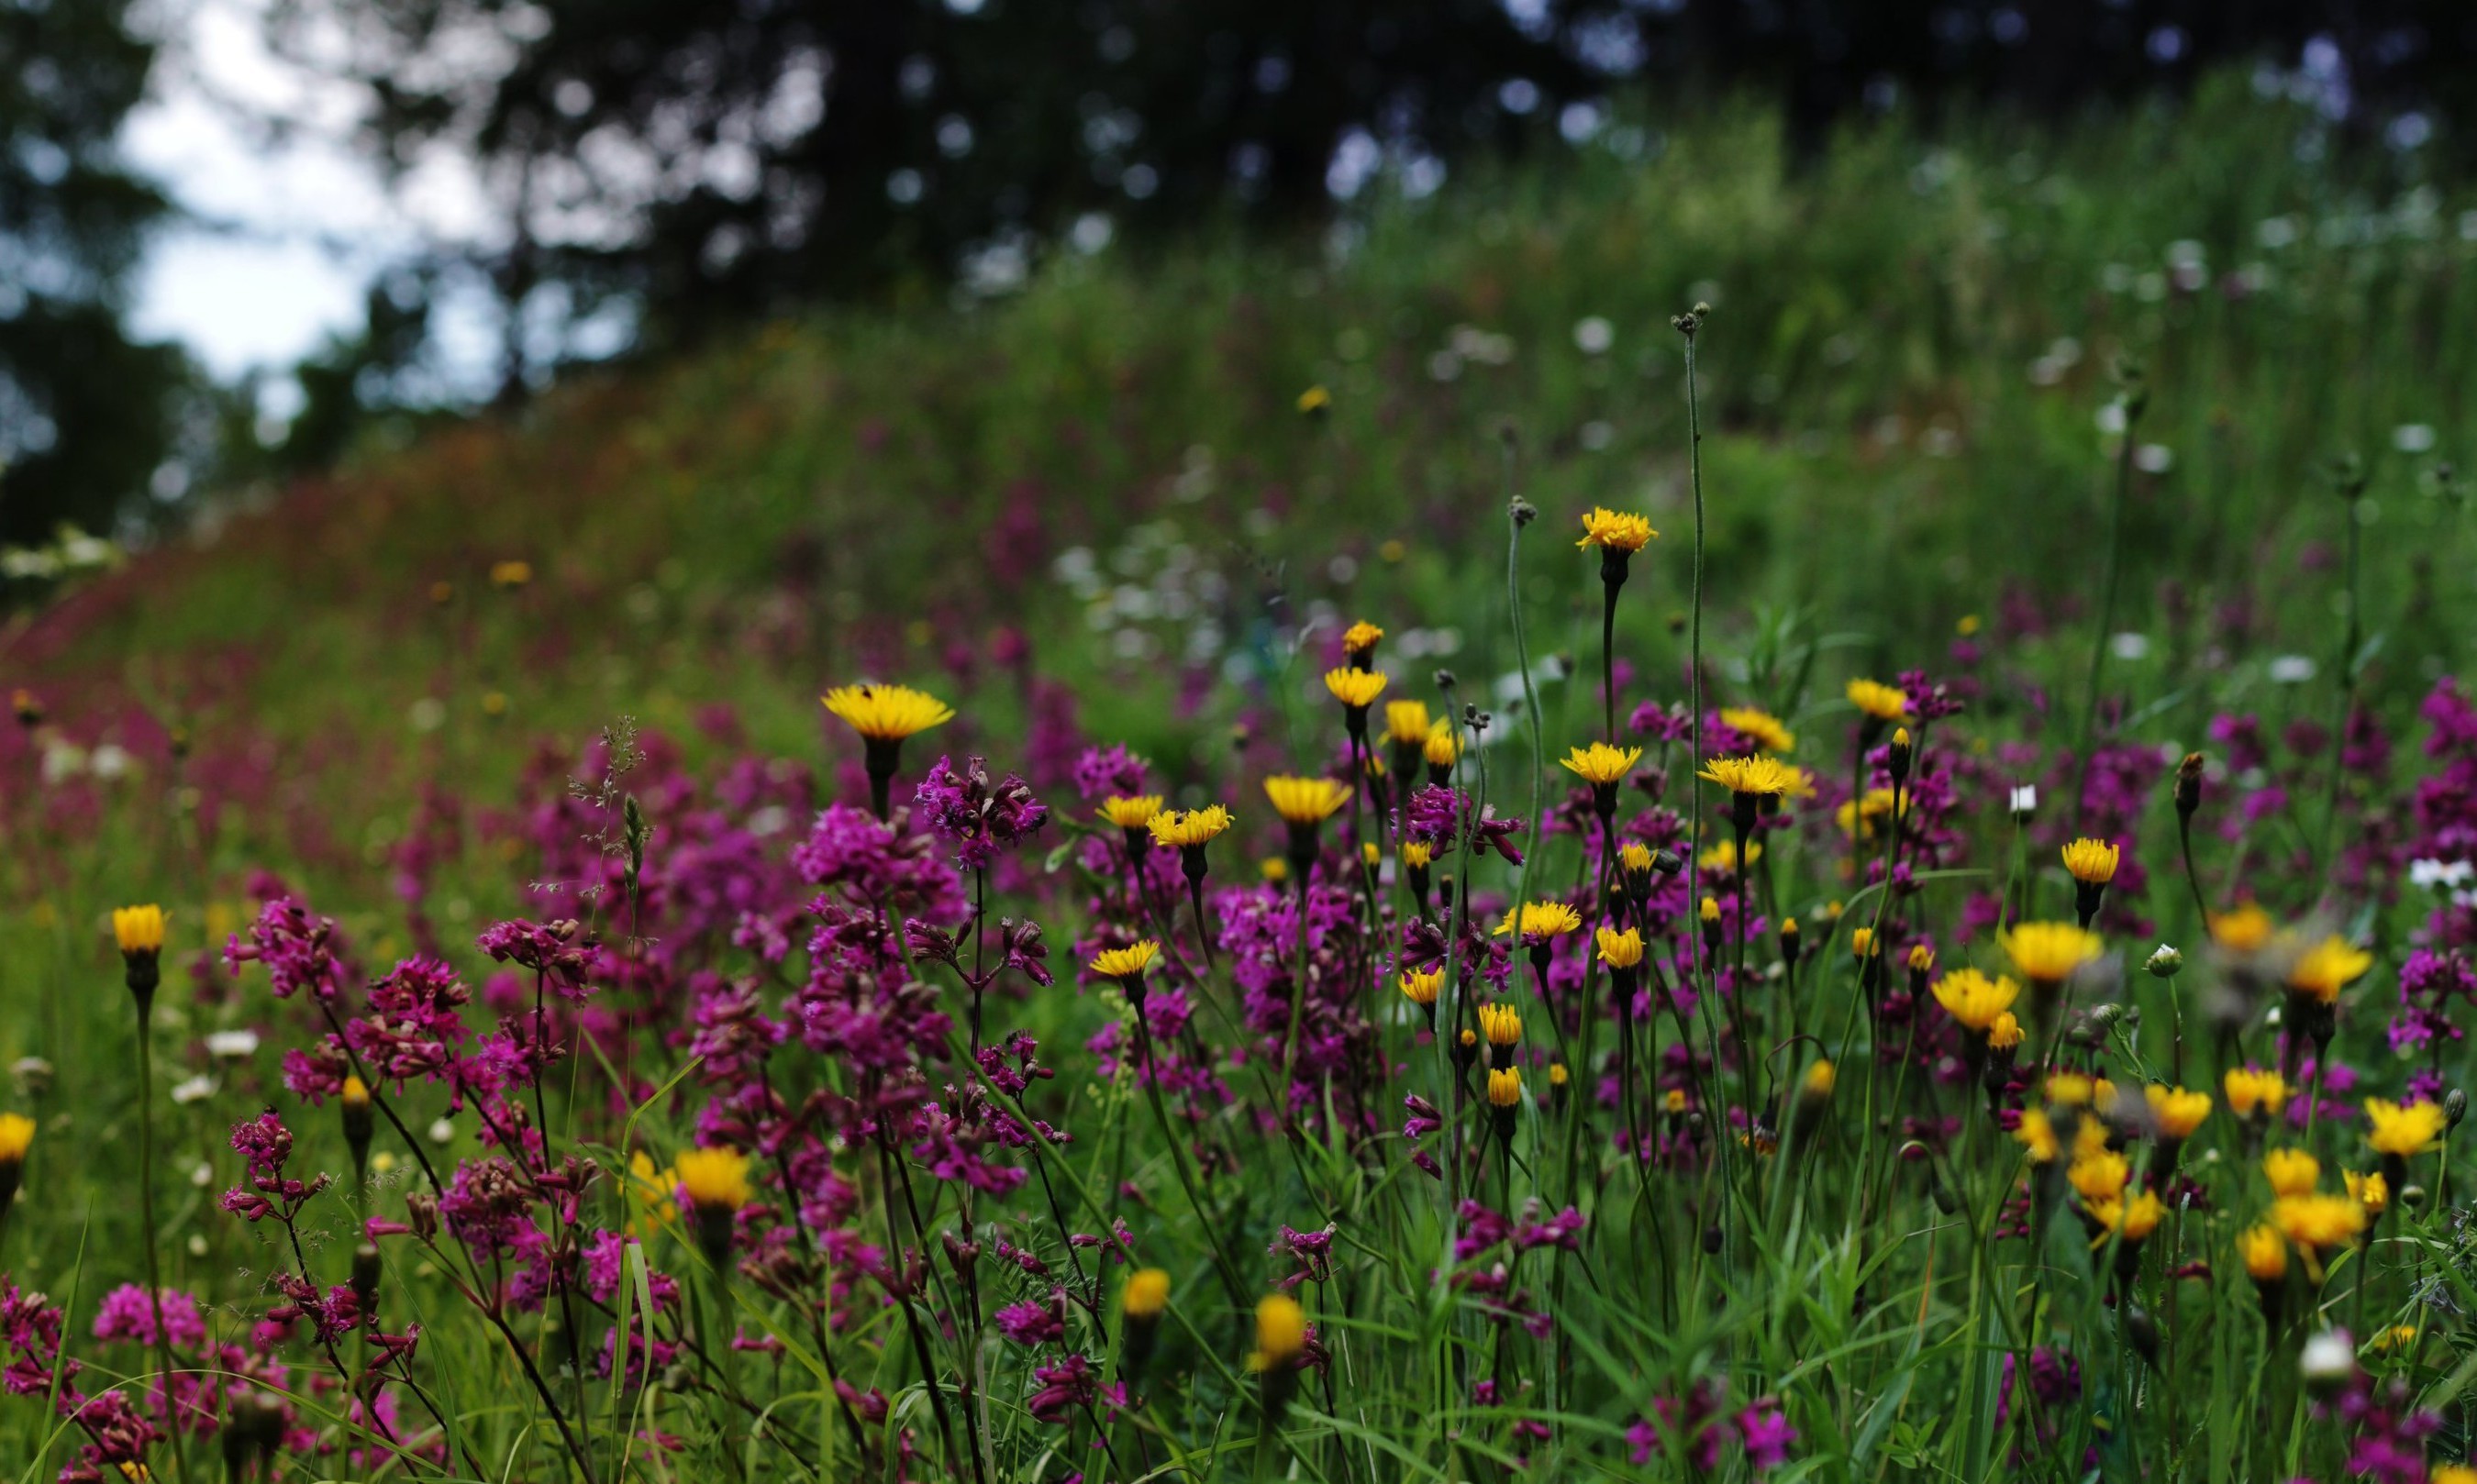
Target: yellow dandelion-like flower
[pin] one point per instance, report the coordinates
(2099, 1177)
(1357, 689)
(1418, 855)
(1722, 858)
(1280, 1334)
(2176, 1112)
(1759, 727)
(1273, 869)
(887, 713)
(2402, 1130)
(2037, 1134)
(2451, 1473)
(1975, 999)
(1146, 1293)
(1538, 922)
(1501, 1025)
(2049, 952)
(1313, 401)
(1879, 700)
(1753, 776)
(2327, 968)
(2132, 1220)
(2318, 1221)
(1443, 745)
(1864, 812)
(1406, 723)
(1422, 989)
(1361, 637)
(2265, 1252)
(654, 1193)
(1601, 764)
(1178, 831)
(2245, 930)
(1615, 529)
(2003, 1034)
(16, 1136)
(1505, 1088)
(715, 1180)
(2091, 863)
(1304, 800)
(1620, 950)
(139, 929)
(1634, 860)
(511, 574)
(1130, 813)
(2292, 1172)
(2370, 1190)
(2070, 1089)
(1121, 963)
(2253, 1092)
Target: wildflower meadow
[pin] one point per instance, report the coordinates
(1450, 864)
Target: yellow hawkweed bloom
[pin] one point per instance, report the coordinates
(2370, 1190)
(1422, 989)
(1752, 776)
(2049, 952)
(1922, 958)
(139, 929)
(1361, 637)
(2252, 1091)
(2091, 863)
(2317, 1221)
(1862, 813)
(1505, 1088)
(2327, 968)
(1558, 1075)
(1615, 529)
(1500, 1024)
(1442, 746)
(1273, 869)
(1721, 859)
(1406, 723)
(2290, 1172)
(2451, 1473)
(1820, 1080)
(1633, 859)
(511, 574)
(1602, 764)
(887, 713)
(715, 1180)
(2132, 1220)
(2242, 931)
(1539, 920)
(654, 1193)
(2265, 1252)
(1305, 800)
(1862, 944)
(2099, 1177)
(1356, 688)
(1620, 950)
(1146, 1293)
(16, 1136)
(2090, 1138)
(2003, 1034)
(1120, 963)
(2070, 1089)
(1130, 813)
(1880, 702)
(1416, 853)
(1281, 1333)
(1759, 727)
(2175, 1111)
(2401, 1131)
(1975, 999)
(1195, 827)
(2036, 1133)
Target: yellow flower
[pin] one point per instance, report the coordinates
(1752, 776)
(1617, 531)
(715, 1180)
(1273, 869)
(1357, 689)
(654, 1192)
(2327, 968)
(2401, 1131)
(1539, 920)
(2003, 1034)
(139, 929)
(1314, 400)
(1422, 989)
(1505, 1088)
(1760, 728)
(1500, 1024)
(1634, 860)
(16, 1135)
(1195, 827)
(2091, 863)
(887, 713)
(2099, 1177)
(2253, 1092)
(1862, 944)
(1361, 637)
(1305, 800)
(2265, 1252)
(1620, 950)
(1710, 911)
(1146, 1293)
(2049, 952)
(1122, 963)
(2315, 1221)
(1602, 764)
(2370, 1190)
(355, 1094)
(1821, 1078)
(1281, 1333)
(1416, 856)
(2290, 1172)
(2132, 1220)
(1883, 703)
(1975, 999)
(2070, 1089)
(2090, 1138)
(1442, 746)
(2176, 1112)
(1406, 723)
(2241, 931)
(1130, 813)
(1721, 859)
(1922, 958)
(1863, 812)
(2036, 1133)
(511, 574)
(2451, 1473)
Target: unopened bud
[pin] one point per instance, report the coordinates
(2188, 785)
(2165, 962)
(2455, 1108)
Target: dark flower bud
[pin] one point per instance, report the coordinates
(365, 1276)
(2188, 785)
(1711, 1241)
(423, 1208)
(2455, 1108)
(1523, 512)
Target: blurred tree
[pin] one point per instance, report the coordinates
(85, 414)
